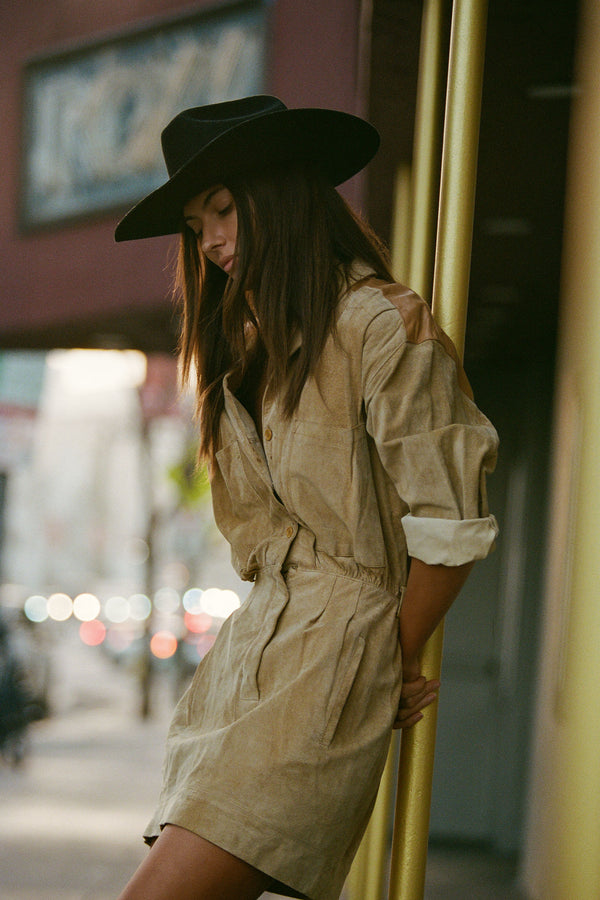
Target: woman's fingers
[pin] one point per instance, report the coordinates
(414, 691)
(407, 723)
(415, 696)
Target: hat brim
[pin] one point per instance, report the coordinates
(337, 143)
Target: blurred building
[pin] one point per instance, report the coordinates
(85, 92)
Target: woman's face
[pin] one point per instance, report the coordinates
(212, 216)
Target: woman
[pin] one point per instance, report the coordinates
(342, 441)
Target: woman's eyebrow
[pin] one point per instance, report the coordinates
(206, 201)
(211, 194)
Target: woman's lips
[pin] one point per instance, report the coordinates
(227, 265)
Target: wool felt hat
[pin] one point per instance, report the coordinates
(207, 145)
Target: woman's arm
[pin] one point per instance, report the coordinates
(429, 594)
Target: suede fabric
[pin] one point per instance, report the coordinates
(276, 749)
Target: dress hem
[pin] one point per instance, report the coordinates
(201, 815)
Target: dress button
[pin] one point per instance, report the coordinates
(268, 434)
(289, 531)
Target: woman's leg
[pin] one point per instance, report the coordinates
(183, 866)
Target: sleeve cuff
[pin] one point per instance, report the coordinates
(449, 542)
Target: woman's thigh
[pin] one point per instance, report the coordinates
(184, 866)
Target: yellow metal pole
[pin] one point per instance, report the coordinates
(401, 225)
(413, 798)
(427, 147)
(377, 859)
(450, 298)
(368, 876)
(459, 168)
(355, 883)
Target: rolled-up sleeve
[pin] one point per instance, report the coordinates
(434, 443)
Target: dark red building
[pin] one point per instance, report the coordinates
(63, 280)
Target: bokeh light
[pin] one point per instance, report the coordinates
(92, 632)
(140, 607)
(197, 623)
(117, 610)
(205, 643)
(192, 600)
(139, 551)
(218, 603)
(60, 607)
(163, 644)
(119, 639)
(199, 644)
(36, 608)
(86, 607)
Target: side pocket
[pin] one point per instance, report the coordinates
(348, 667)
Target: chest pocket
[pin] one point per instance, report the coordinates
(240, 502)
(239, 477)
(329, 487)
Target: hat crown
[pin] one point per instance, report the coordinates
(193, 129)
(211, 144)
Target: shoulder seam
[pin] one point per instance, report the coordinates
(419, 327)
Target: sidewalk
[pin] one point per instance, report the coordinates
(73, 814)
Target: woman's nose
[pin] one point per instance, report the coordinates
(212, 237)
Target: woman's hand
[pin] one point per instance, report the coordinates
(417, 693)
(429, 593)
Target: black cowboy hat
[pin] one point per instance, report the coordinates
(208, 144)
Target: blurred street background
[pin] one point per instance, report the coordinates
(74, 808)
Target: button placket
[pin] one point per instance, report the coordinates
(272, 451)
(269, 450)
(267, 410)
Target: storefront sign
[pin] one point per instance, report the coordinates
(93, 115)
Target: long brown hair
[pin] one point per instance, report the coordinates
(296, 241)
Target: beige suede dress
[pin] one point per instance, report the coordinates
(276, 750)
